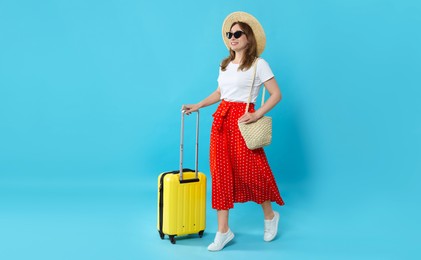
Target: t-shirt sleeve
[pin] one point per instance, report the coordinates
(264, 73)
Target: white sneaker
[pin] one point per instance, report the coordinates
(271, 228)
(221, 239)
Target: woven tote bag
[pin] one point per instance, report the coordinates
(257, 134)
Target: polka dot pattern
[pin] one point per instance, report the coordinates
(238, 174)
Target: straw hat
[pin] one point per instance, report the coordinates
(247, 18)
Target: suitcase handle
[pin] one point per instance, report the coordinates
(183, 112)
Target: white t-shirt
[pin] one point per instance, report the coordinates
(235, 85)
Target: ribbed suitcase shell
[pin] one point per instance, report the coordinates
(181, 205)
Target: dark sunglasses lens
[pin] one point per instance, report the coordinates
(238, 34)
(229, 35)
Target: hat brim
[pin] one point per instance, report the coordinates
(247, 18)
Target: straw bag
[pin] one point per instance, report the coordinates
(257, 134)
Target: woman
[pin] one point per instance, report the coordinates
(240, 174)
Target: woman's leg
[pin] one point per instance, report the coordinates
(223, 221)
(267, 210)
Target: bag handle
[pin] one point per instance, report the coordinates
(252, 84)
(196, 167)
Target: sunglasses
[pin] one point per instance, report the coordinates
(236, 34)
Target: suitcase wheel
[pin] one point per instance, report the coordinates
(201, 233)
(162, 235)
(172, 239)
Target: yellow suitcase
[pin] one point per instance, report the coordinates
(182, 198)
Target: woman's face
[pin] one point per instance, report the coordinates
(240, 43)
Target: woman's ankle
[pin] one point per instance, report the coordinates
(223, 230)
(270, 216)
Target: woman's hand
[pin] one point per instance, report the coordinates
(190, 108)
(249, 118)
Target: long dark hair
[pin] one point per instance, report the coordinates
(250, 53)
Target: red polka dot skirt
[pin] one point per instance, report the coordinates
(238, 173)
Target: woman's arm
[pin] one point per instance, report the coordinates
(210, 100)
(275, 96)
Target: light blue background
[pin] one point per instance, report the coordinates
(90, 96)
